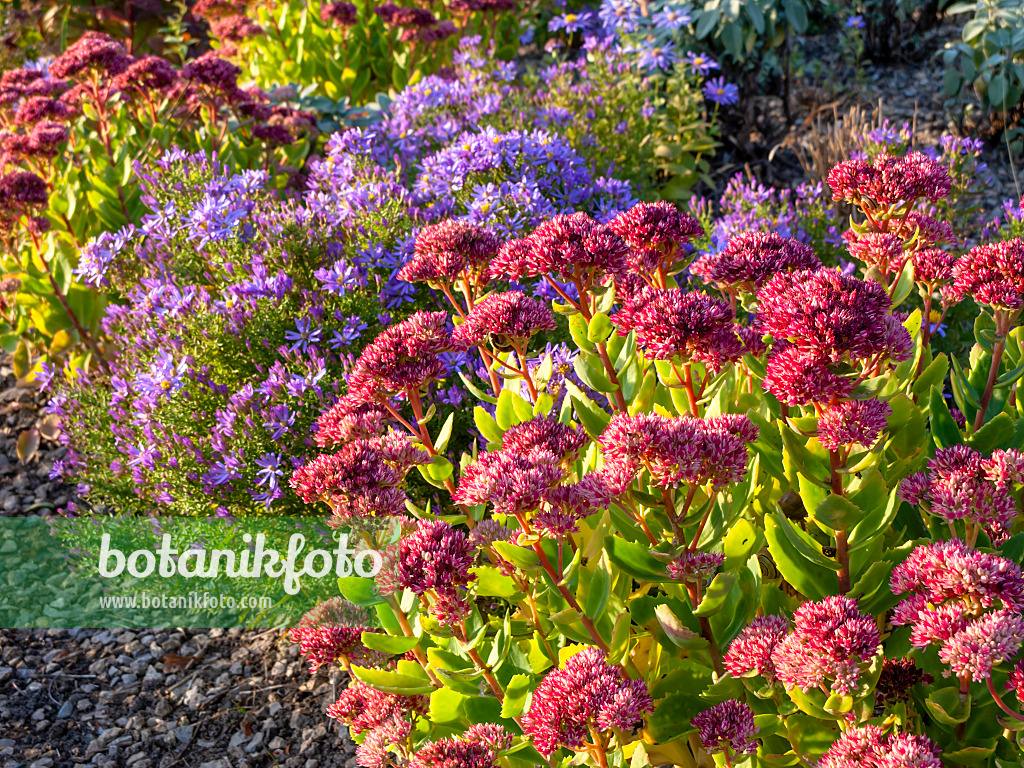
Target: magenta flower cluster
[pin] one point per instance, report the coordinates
(584, 695)
(966, 603)
(827, 648)
(962, 484)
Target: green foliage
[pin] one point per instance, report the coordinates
(354, 63)
(988, 64)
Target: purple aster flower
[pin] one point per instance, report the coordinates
(701, 63)
(303, 335)
(855, 21)
(270, 469)
(657, 55)
(280, 420)
(672, 17)
(572, 22)
(721, 92)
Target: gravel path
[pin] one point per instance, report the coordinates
(157, 699)
(147, 698)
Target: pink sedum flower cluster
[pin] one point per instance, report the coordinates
(968, 603)
(727, 726)
(332, 632)
(672, 324)
(993, 275)
(585, 692)
(750, 259)
(870, 747)
(477, 748)
(751, 652)
(526, 477)
(363, 479)
(676, 450)
(961, 484)
(829, 643)
(889, 180)
(504, 318)
(403, 357)
(656, 234)
(436, 559)
(573, 247)
(824, 323)
(449, 251)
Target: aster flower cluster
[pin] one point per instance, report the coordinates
(207, 279)
(585, 694)
(962, 484)
(827, 647)
(965, 602)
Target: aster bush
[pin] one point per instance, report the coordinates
(753, 531)
(71, 131)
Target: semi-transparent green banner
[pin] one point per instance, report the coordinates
(140, 572)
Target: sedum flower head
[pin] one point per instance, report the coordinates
(655, 233)
(672, 323)
(934, 267)
(510, 482)
(332, 632)
(694, 566)
(966, 602)
(436, 558)
(585, 692)
(363, 708)
(882, 250)
(981, 644)
(571, 247)
(342, 424)
(992, 274)
(852, 422)
(445, 251)
(504, 317)
(870, 747)
(403, 357)
(831, 314)
(374, 751)
(676, 450)
(889, 180)
(362, 479)
(729, 725)
(830, 641)
(751, 652)
(454, 753)
(749, 259)
(961, 484)
(547, 434)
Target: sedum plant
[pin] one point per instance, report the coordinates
(352, 51)
(756, 533)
